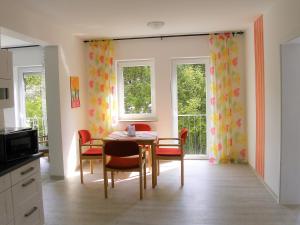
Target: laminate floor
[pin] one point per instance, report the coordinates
(212, 195)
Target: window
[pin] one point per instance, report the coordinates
(32, 98)
(136, 90)
(190, 82)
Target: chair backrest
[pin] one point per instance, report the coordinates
(141, 127)
(121, 148)
(84, 136)
(183, 135)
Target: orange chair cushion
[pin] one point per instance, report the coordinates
(168, 151)
(93, 151)
(123, 163)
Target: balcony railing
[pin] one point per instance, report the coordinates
(38, 123)
(196, 124)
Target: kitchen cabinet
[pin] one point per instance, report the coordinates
(6, 80)
(21, 200)
(5, 65)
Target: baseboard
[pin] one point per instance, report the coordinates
(276, 198)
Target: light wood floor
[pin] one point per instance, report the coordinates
(212, 195)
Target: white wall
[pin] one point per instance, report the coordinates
(250, 95)
(281, 24)
(30, 56)
(163, 51)
(71, 61)
(290, 152)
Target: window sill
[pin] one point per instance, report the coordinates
(139, 120)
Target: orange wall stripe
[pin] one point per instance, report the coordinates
(260, 95)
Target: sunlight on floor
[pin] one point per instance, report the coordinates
(119, 177)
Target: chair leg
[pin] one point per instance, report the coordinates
(182, 172)
(91, 166)
(145, 176)
(81, 172)
(112, 179)
(149, 160)
(158, 167)
(105, 182)
(141, 182)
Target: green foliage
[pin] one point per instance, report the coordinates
(191, 86)
(33, 97)
(137, 89)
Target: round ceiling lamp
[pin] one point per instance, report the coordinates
(156, 24)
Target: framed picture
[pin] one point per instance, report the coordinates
(74, 86)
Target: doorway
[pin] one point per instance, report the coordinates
(189, 87)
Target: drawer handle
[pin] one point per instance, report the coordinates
(31, 211)
(28, 182)
(27, 171)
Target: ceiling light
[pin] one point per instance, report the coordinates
(156, 24)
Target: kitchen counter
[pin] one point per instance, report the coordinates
(8, 167)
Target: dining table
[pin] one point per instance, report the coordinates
(142, 138)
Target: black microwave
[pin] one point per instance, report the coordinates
(17, 143)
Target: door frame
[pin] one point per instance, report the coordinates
(189, 60)
(21, 89)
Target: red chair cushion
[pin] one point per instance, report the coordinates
(93, 151)
(183, 135)
(85, 136)
(168, 151)
(123, 163)
(140, 127)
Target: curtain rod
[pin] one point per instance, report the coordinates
(166, 36)
(25, 46)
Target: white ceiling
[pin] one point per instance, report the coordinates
(8, 42)
(128, 18)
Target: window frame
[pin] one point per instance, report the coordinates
(122, 116)
(174, 89)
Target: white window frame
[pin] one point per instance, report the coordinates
(120, 86)
(191, 60)
(21, 96)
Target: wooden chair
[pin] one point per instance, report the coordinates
(143, 127)
(124, 156)
(172, 151)
(43, 145)
(88, 150)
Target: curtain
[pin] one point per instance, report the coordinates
(260, 95)
(102, 106)
(227, 142)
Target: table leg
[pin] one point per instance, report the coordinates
(153, 166)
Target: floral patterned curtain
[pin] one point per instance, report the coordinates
(102, 106)
(227, 128)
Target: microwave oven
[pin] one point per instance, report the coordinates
(17, 143)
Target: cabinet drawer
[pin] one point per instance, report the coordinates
(25, 171)
(5, 182)
(31, 212)
(6, 209)
(25, 189)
